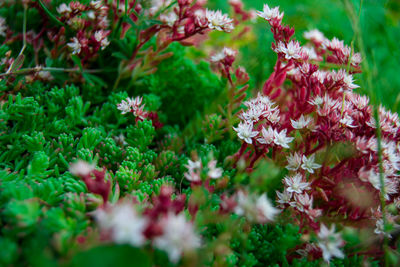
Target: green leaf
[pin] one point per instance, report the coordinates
(112, 255)
(77, 61)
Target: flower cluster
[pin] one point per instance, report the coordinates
(195, 169)
(188, 19)
(134, 106)
(162, 224)
(91, 25)
(318, 113)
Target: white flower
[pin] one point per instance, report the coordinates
(75, 46)
(315, 36)
(291, 50)
(125, 224)
(309, 164)
(193, 165)
(349, 82)
(265, 211)
(220, 56)
(304, 200)
(194, 169)
(254, 113)
(285, 197)
(124, 106)
(301, 123)
(178, 236)
(374, 178)
(329, 242)
(229, 52)
(217, 57)
(135, 102)
(312, 55)
(3, 27)
(380, 229)
(294, 161)
(255, 208)
(96, 4)
(81, 168)
(295, 184)
(192, 176)
(281, 139)
(218, 21)
(63, 8)
(267, 136)
(214, 172)
(169, 18)
(347, 121)
(245, 132)
(335, 44)
(133, 105)
(101, 37)
(270, 13)
(356, 59)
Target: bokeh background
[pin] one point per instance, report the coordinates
(375, 31)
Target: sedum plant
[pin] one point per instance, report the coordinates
(118, 142)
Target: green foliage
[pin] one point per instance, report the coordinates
(185, 88)
(104, 256)
(266, 245)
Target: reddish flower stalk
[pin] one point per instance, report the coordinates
(316, 112)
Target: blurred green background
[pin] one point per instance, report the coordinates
(379, 28)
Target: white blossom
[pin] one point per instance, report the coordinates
(302, 122)
(348, 121)
(281, 139)
(267, 136)
(291, 50)
(309, 164)
(125, 224)
(101, 37)
(295, 184)
(294, 161)
(169, 18)
(124, 106)
(213, 171)
(265, 211)
(218, 21)
(220, 56)
(245, 132)
(194, 169)
(284, 197)
(75, 46)
(329, 242)
(380, 229)
(81, 168)
(255, 208)
(63, 8)
(315, 36)
(270, 13)
(178, 236)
